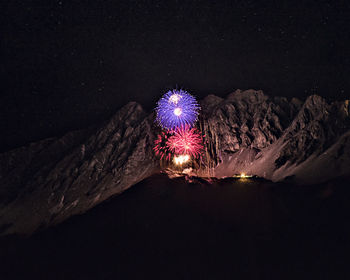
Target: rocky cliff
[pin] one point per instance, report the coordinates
(276, 138)
(46, 182)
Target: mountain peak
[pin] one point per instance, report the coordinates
(247, 132)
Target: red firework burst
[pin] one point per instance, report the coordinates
(160, 146)
(186, 140)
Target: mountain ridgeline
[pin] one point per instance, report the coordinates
(46, 182)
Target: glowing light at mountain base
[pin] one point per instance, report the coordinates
(242, 176)
(181, 159)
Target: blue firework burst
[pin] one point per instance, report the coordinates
(176, 109)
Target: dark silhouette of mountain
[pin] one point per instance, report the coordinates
(165, 228)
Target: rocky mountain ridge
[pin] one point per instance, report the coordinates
(46, 182)
(251, 133)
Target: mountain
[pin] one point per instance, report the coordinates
(46, 182)
(276, 138)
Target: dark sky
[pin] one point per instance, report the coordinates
(69, 64)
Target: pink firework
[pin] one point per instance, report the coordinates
(185, 141)
(161, 148)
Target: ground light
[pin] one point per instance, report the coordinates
(242, 176)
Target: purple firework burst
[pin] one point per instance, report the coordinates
(177, 108)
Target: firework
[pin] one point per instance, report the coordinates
(185, 141)
(161, 148)
(181, 159)
(177, 108)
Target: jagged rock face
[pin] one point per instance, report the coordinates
(49, 181)
(274, 138)
(46, 182)
(244, 120)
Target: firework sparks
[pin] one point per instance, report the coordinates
(161, 148)
(181, 159)
(174, 98)
(177, 108)
(185, 140)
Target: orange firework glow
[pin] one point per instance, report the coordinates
(181, 159)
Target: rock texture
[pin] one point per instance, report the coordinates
(276, 138)
(46, 182)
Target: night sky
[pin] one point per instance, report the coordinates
(70, 64)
